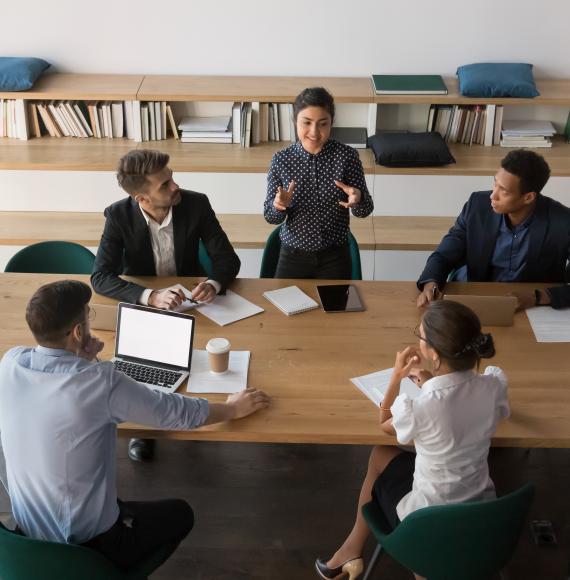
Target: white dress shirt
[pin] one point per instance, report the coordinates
(162, 241)
(58, 430)
(451, 424)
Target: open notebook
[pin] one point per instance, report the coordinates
(290, 300)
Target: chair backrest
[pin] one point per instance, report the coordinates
(469, 541)
(270, 254)
(204, 259)
(52, 258)
(22, 558)
(273, 246)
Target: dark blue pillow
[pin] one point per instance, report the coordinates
(497, 79)
(20, 74)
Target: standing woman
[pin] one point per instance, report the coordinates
(311, 185)
(450, 423)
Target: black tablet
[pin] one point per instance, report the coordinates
(340, 298)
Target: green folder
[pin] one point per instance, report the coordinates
(409, 85)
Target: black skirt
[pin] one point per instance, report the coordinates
(393, 484)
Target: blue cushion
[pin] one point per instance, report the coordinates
(497, 79)
(20, 74)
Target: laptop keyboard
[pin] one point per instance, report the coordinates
(146, 374)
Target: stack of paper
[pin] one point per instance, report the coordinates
(549, 325)
(201, 380)
(375, 385)
(225, 309)
(527, 133)
(206, 129)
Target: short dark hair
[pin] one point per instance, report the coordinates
(136, 165)
(314, 97)
(55, 308)
(454, 332)
(531, 169)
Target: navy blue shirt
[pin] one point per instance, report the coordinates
(510, 253)
(315, 219)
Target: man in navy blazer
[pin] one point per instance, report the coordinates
(156, 231)
(510, 234)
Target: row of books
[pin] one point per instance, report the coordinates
(467, 124)
(254, 123)
(13, 120)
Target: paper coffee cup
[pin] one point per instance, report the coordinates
(218, 354)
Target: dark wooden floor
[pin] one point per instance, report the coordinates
(266, 511)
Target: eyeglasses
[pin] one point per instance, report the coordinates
(417, 333)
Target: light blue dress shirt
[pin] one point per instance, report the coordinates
(58, 428)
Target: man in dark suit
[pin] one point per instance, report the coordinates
(510, 234)
(156, 231)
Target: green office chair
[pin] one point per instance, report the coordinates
(52, 258)
(469, 540)
(204, 259)
(22, 558)
(273, 246)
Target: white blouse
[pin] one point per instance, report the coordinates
(451, 424)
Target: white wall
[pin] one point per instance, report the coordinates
(293, 37)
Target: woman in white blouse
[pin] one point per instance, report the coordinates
(451, 424)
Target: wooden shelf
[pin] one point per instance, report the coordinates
(552, 92)
(410, 232)
(246, 231)
(239, 88)
(63, 154)
(82, 87)
(481, 160)
(73, 154)
(225, 158)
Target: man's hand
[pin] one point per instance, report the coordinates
(429, 293)
(204, 292)
(247, 402)
(283, 197)
(166, 299)
(91, 349)
(528, 299)
(354, 194)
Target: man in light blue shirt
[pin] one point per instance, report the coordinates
(59, 412)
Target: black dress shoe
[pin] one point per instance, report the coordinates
(353, 568)
(141, 449)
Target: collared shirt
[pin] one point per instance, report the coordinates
(58, 428)
(451, 424)
(315, 219)
(510, 253)
(162, 241)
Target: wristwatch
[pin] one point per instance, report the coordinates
(537, 296)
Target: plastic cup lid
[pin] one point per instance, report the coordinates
(218, 345)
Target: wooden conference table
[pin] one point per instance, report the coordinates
(305, 362)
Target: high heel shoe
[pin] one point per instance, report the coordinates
(351, 567)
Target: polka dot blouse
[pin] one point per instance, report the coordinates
(315, 219)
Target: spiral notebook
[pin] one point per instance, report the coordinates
(290, 300)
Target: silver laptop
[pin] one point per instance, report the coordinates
(153, 346)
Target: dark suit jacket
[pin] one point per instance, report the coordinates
(472, 239)
(126, 248)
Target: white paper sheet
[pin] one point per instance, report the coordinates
(201, 380)
(224, 310)
(549, 325)
(375, 385)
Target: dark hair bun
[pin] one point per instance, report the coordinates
(484, 346)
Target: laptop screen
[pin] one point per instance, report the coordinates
(156, 336)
